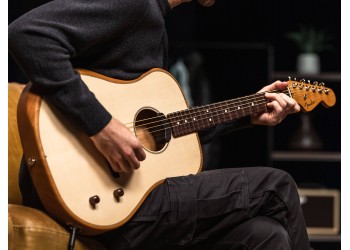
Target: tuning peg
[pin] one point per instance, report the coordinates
(315, 82)
(289, 78)
(326, 91)
(302, 80)
(321, 84)
(295, 79)
(308, 82)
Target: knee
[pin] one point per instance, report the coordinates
(268, 232)
(283, 178)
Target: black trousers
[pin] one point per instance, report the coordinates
(250, 208)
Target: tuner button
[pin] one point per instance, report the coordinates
(93, 200)
(119, 192)
(326, 91)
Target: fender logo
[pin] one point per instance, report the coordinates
(309, 104)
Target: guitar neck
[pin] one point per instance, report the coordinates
(198, 118)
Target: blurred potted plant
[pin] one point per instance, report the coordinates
(310, 43)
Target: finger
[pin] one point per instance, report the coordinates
(125, 166)
(273, 86)
(278, 113)
(275, 106)
(140, 154)
(115, 166)
(280, 85)
(119, 164)
(278, 98)
(133, 162)
(292, 105)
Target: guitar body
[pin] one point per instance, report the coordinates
(67, 169)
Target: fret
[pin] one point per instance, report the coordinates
(187, 123)
(228, 110)
(207, 119)
(254, 104)
(201, 118)
(261, 100)
(222, 116)
(195, 119)
(246, 106)
(239, 108)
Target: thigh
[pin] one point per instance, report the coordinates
(258, 233)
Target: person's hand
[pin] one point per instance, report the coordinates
(280, 104)
(119, 146)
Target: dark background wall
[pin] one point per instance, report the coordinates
(253, 21)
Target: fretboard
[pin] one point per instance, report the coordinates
(195, 119)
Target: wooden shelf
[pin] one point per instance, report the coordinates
(305, 156)
(325, 238)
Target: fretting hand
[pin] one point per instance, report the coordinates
(280, 104)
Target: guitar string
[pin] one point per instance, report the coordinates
(193, 111)
(152, 132)
(265, 102)
(189, 123)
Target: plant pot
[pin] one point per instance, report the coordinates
(308, 63)
(305, 138)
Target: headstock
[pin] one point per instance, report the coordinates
(310, 95)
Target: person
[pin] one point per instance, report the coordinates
(235, 208)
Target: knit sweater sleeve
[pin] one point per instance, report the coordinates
(45, 41)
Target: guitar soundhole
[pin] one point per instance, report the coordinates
(152, 129)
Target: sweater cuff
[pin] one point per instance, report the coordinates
(96, 118)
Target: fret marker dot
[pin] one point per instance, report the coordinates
(177, 123)
(239, 108)
(210, 119)
(194, 119)
(207, 111)
(185, 120)
(225, 110)
(252, 103)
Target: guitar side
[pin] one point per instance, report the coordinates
(67, 170)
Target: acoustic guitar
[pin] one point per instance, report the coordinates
(75, 182)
